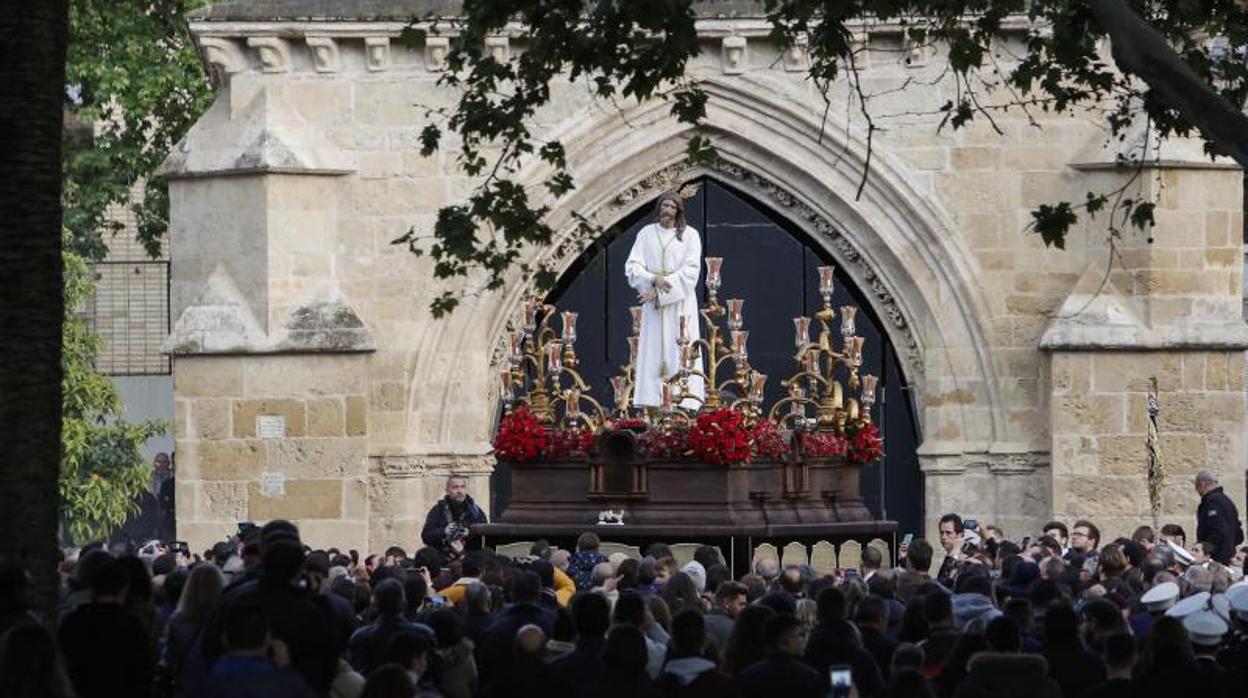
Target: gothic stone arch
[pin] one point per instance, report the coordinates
(894, 242)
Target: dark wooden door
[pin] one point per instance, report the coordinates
(771, 264)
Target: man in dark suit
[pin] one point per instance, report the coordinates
(1217, 519)
(448, 522)
(782, 673)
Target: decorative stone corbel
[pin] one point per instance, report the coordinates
(224, 53)
(499, 48)
(796, 57)
(324, 53)
(377, 51)
(274, 53)
(436, 48)
(734, 54)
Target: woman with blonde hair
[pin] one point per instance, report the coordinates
(182, 665)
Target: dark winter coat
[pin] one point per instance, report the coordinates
(1000, 675)
(781, 675)
(443, 513)
(1217, 522)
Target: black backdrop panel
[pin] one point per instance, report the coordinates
(772, 265)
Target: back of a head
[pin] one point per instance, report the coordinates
(545, 573)
(779, 601)
(199, 595)
(281, 558)
(938, 608)
(777, 628)
(708, 556)
(1061, 624)
(831, 604)
(138, 579)
(526, 587)
(109, 578)
(540, 549)
(1003, 635)
(389, 681)
(245, 626)
(477, 597)
(625, 652)
(388, 597)
(447, 627)
(473, 563)
(688, 634)
(660, 551)
(768, 568)
(630, 608)
(587, 541)
(872, 558)
(1118, 651)
(681, 593)
(591, 614)
(415, 590)
(406, 647)
(919, 555)
(872, 610)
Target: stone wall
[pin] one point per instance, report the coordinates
(1025, 366)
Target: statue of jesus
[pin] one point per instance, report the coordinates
(663, 267)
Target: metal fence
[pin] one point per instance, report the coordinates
(130, 312)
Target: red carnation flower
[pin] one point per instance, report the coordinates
(520, 438)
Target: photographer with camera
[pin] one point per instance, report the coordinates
(448, 523)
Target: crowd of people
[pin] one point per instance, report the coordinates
(1060, 613)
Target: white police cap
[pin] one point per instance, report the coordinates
(1237, 598)
(1187, 606)
(1205, 628)
(1160, 597)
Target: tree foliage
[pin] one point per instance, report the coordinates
(1177, 63)
(135, 85)
(103, 471)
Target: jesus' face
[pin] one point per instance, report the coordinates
(667, 213)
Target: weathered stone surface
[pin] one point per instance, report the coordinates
(356, 415)
(303, 499)
(318, 458)
(223, 500)
(231, 460)
(246, 412)
(325, 417)
(211, 418)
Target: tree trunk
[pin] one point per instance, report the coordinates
(33, 37)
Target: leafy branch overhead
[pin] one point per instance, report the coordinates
(1177, 64)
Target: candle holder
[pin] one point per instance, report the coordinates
(540, 358)
(816, 382)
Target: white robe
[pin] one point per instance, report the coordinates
(656, 253)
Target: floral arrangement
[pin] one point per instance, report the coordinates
(865, 445)
(566, 443)
(822, 445)
(671, 446)
(520, 438)
(770, 441)
(632, 423)
(720, 437)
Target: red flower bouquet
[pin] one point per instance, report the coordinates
(822, 445)
(720, 437)
(520, 438)
(770, 441)
(674, 446)
(567, 443)
(865, 445)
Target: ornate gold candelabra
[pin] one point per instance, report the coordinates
(748, 382)
(550, 356)
(815, 384)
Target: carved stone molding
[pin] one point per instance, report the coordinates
(324, 54)
(499, 47)
(436, 49)
(274, 53)
(734, 53)
(225, 54)
(797, 57)
(955, 462)
(433, 464)
(570, 245)
(377, 52)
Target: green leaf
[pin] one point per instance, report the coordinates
(1053, 221)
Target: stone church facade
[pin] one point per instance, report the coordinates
(312, 383)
